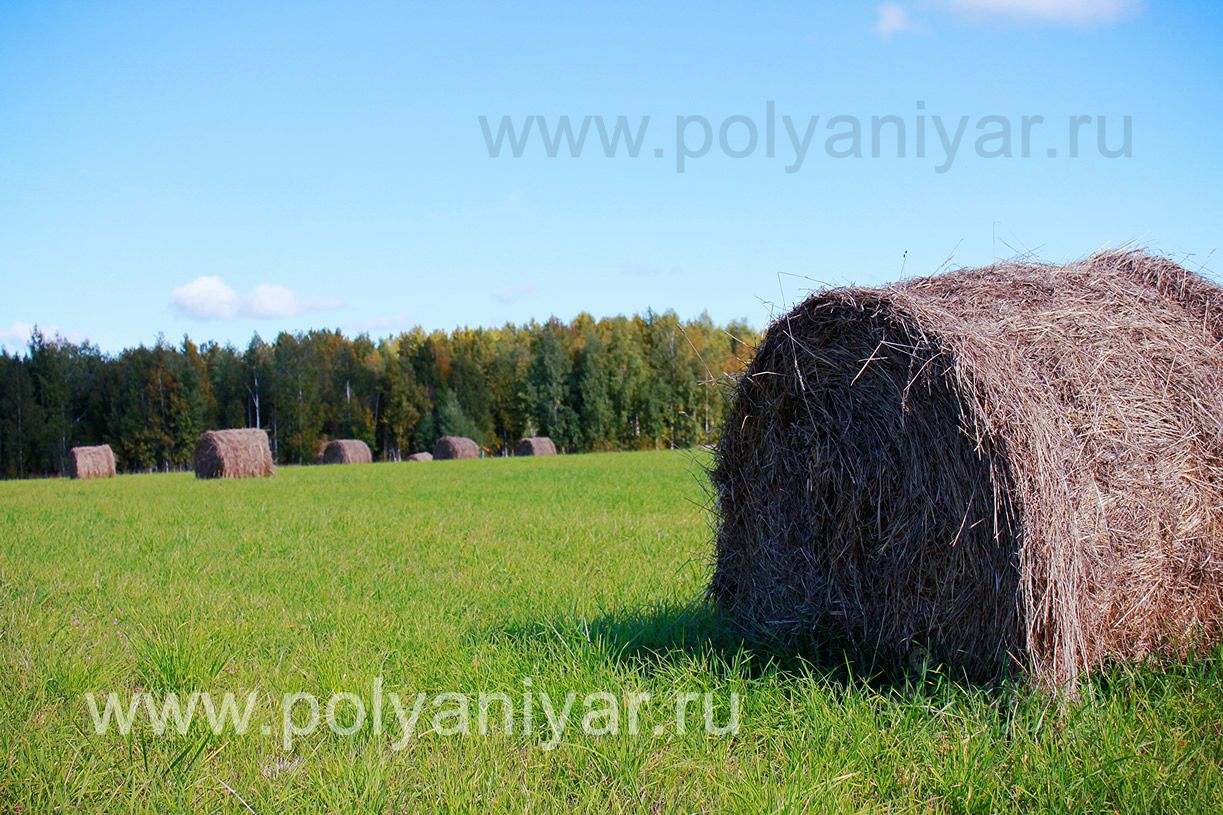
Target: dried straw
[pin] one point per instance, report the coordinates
(420, 457)
(456, 447)
(346, 451)
(91, 462)
(535, 446)
(1014, 467)
(242, 453)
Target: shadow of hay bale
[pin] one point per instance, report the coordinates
(661, 639)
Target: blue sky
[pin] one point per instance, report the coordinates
(230, 168)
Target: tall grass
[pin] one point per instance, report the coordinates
(578, 573)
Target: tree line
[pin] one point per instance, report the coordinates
(618, 383)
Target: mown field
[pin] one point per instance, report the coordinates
(575, 574)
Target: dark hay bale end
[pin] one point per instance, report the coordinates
(1014, 467)
(91, 462)
(242, 453)
(456, 447)
(346, 451)
(535, 446)
(420, 457)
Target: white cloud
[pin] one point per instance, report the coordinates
(211, 298)
(205, 298)
(893, 19)
(269, 300)
(17, 335)
(512, 294)
(1050, 11)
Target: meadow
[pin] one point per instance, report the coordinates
(578, 573)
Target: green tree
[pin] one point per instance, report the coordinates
(298, 420)
(616, 383)
(401, 402)
(626, 381)
(452, 421)
(594, 402)
(549, 404)
(20, 419)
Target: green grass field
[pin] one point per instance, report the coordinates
(574, 574)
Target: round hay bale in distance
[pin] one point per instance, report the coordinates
(455, 447)
(96, 461)
(238, 453)
(535, 446)
(346, 451)
(1014, 467)
(420, 457)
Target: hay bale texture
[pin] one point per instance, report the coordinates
(91, 462)
(535, 446)
(421, 457)
(455, 447)
(346, 451)
(1013, 467)
(242, 453)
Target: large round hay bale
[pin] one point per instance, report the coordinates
(1019, 466)
(91, 462)
(346, 451)
(535, 446)
(421, 457)
(241, 453)
(455, 447)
